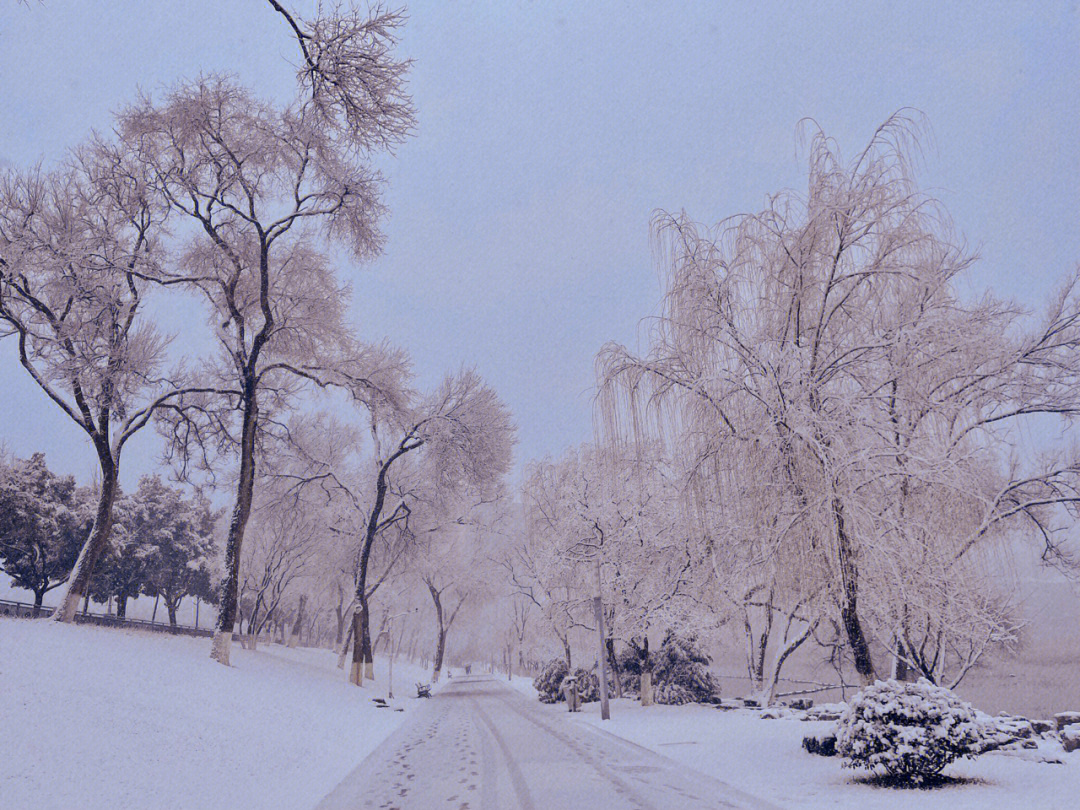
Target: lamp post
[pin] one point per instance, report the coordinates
(389, 632)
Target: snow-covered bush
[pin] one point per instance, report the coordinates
(823, 743)
(681, 673)
(912, 730)
(629, 663)
(549, 682)
(588, 685)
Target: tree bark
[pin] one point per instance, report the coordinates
(440, 634)
(849, 614)
(646, 692)
(171, 607)
(613, 662)
(241, 512)
(646, 689)
(294, 636)
(901, 670)
(79, 581)
(121, 605)
(356, 671)
(39, 597)
(368, 653)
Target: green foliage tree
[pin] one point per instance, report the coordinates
(43, 521)
(178, 548)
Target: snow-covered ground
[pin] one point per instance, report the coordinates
(101, 718)
(765, 758)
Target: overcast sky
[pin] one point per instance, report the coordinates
(548, 133)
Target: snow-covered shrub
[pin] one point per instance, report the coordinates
(681, 674)
(1070, 738)
(629, 663)
(549, 682)
(588, 685)
(823, 744)
(912, 730)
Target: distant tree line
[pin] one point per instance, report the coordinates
(162, 543)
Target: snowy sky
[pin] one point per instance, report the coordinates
(548, 133)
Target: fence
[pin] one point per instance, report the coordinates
(26, 610)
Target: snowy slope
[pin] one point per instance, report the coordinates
(100, 718)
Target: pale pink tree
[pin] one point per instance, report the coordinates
(77, 247)
(826, 334)
(428, 454)
(260, 188)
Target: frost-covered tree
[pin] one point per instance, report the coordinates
(289, 539)
(43, 520)
(121, 570)
(431, 453)
(77, 248)
(261, 188)
(619, 510)
(348, 71)
(177, 538)
(826, 336)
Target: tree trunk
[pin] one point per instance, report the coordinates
(245, 489)
(368, 653)
(646, 692)
(39, 597)
(340, 616)
(344, 649)
(153, 616)
(356, 671)
(566, 650)
(86, 604)
(294, 636)
(901, 670)
(613, 663)
(440, 651)
(79, 580)
(849, 615)
(171, 607)
(646, 689)
(440, 633)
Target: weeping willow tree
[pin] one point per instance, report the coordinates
(822, 342)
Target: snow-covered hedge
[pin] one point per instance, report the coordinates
(549, 682)
(912, 730)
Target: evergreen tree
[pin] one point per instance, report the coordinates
(42, 525)
(682, 672)
(177, 544)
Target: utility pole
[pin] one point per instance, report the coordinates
(605, 711)
(584, 551)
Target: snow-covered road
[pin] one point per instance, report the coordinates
(479, 745)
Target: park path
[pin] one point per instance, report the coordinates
(479, 745)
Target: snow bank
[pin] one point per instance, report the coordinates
(101, 718)
(765, 758)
